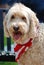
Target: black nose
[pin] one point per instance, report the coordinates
(16, 28)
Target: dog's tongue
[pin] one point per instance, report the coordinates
(17, 36)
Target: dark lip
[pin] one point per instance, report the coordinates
(18, 32)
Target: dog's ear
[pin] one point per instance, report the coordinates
(34, 22)
(5, 27)
(34, 25)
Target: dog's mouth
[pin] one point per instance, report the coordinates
(17, 35)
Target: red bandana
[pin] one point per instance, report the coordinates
(20, 49)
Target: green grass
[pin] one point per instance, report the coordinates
(5, 40)
(7, 63)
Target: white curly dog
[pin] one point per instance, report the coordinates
(22, 25)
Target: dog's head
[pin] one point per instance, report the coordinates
(20, 23)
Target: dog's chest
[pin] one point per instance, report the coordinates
(20, 49)
(33, 56)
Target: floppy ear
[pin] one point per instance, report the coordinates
(5, 27)
(34, 25)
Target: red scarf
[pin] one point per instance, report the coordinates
(20, 49)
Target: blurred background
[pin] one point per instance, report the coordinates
(6, 44)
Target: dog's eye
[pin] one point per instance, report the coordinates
(12, 17)
(24, 18)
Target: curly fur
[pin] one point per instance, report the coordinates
(30, 28)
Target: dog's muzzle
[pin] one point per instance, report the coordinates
(16, 34)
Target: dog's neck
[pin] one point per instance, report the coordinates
(26, 41)
(21, 48)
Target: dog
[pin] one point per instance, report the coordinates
(22, 25)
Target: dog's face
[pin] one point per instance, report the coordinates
(20, 23)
